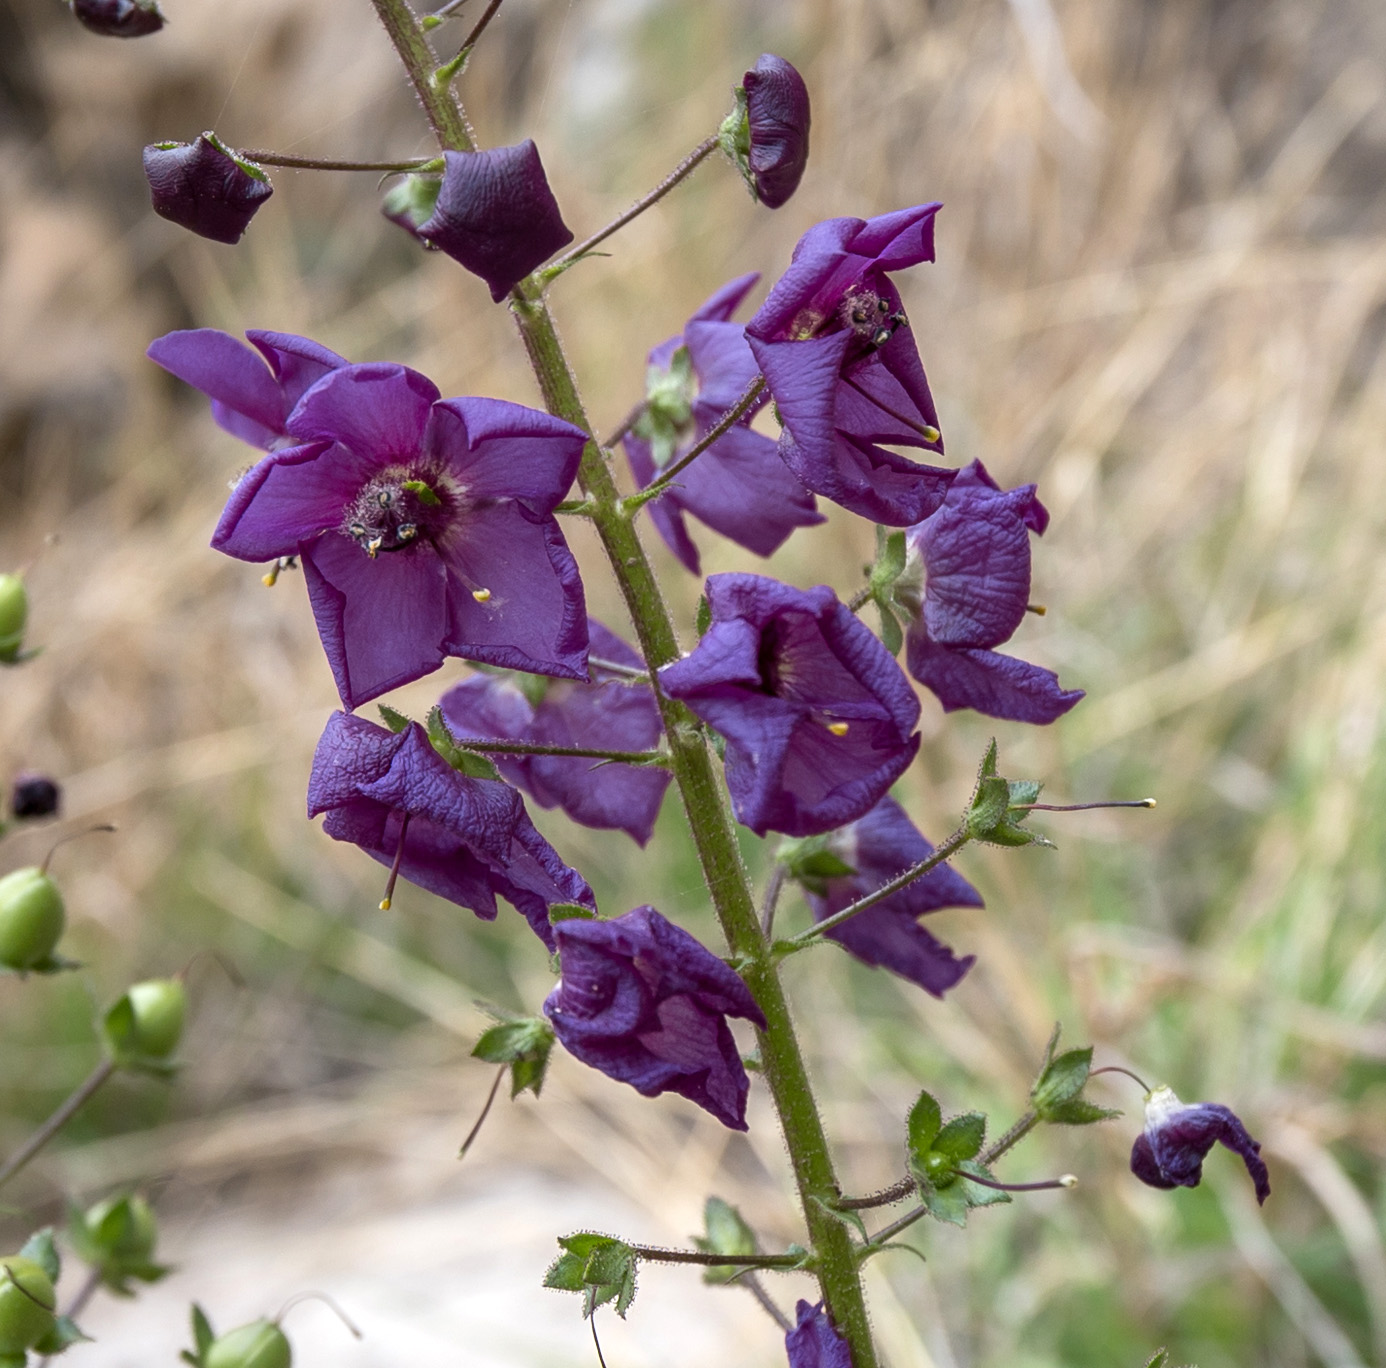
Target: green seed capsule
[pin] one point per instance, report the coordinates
(31, 918)
(261, 1344)
(159, 1006)
(14, 616)
(121, 1230)
(26, 1310)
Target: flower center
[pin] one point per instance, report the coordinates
(869, 315)
(393, 512)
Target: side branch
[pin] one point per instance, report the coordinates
(490, 746)
(696, 1256)
(263, 158)
(69, 1108)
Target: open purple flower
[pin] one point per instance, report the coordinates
(467, 840)
(876, 848)
(611, 713)
(814, 1342)
(119, 18)
(818, 717)
(838, 356)
(738, 486)
(975, 557)
(776, 129)
(425, 528)
(1170, 1152)
(250, 402)
(205, 187)
(496, 215)
(647, 1004)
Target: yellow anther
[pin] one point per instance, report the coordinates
(270, 577)
(373, 546)
(481, 595)
(838, 728)
(384, 904)
(929, 434)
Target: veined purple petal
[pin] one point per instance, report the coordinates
(997, 685)
(377, 411)
(200, 186)
(814, 1342)
(227, 372)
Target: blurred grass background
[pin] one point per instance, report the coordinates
(1159, 293)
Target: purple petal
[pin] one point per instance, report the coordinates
(997, 685)
(229, 374)
(719, 306)
(1179, 1138)
(200, 187)
(378, 411)
(814, 1342)
(297, 362)
(777, 110)
(492, 707)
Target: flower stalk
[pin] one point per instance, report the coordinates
(76, 1100)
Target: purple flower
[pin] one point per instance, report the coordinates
(496, 214)
(424, 524)
(738, 486)
(205, 187)
(817, 716)
(34, 795)
(814, 1342)
(975, 557)
(1169, 1153)
(837, 354)
(465, 839)
(876, 848)
(777, 111)
(250, 402)
(119, 18)
(609, 713)
(644, 1002)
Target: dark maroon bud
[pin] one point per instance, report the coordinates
(767, 134)
(205, 187)
(119, 18)
(34, 795)
(496, 215)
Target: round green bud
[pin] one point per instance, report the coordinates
(14, 616)
(261, 1344)
(159, 1006)
(31, 918)
(27, 1305)
(126, 1238)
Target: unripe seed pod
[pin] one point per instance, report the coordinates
(261, 1344)
(159, 1006)
(32, 918)
(26, 1310)
(14, 616)
(130, 1241)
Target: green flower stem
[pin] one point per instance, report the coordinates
(691, 760)
(78, 1098)
(897, 1192)
(262, 158)
(1010, 1140)
(708, 1260)
(943, 853)
(882, 1237)
(496, 746)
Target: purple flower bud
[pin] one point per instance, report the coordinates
(817, 715)
(814, 1342)
(777, 110)
(205, 187)
(34, 795)
(119, 18)
(1169, 1153)
(496, 215)
(974, 553)
(467, 840)
(647, 1004)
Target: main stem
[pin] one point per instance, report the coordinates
(690, 758)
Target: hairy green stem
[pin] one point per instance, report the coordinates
(490, 746)
(1010, 1140)
(709, 1260)
(263, 158)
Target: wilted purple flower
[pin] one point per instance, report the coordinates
(496, 214)
(464, 839)
(876, 848)
(814, 1342)
(738, 486)
(644, 1002)
(1169, 1153)
(425, 528)
(777, 112)
(975, 557)
(816, 713)
(612, 713)
(119, 18)
(840, 361)
(205, 187)
(250, 402)
(34, 795)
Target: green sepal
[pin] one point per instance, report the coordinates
(203, 1338)
(64, 1334)
(1056, 1094)
(414, 198)
(962, 1137)
(523, 1044)
(668, 413)
(469, 762)
(1158, 1359)
(396, 721)
(39, 1248)
(734, 138)
(848, 1217)
(601, 1267)
(923, 1125)
(890, 559)
(252, 169)
(725, 1233)
(951, 1203)
(703, 618)
(561, 912)
(997, 809)
(892, 638)
(811, 861)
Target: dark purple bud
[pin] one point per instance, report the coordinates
(777, 113)
(1169, 1153)
(205, 187)
(34, 795)
(119, 18)
(814, 1343)
(496, 215)
(647, 1004)
(411, 202)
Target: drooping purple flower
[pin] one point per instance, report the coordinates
(250, 402)
(205, 187)
(1170, 1152)
(611, 713)
(647, 1004)
(424, 525)
(975, 557)
(817, 716)
(34, 795)
(738, 486)
(876, 848)
(815, 1342)
(777, 112)
(467, 840)
(119, 18)
(496, 215)
(840, 361)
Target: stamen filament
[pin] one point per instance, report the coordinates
(394, 868)
(1084, 807)
(929, 434)
(1066, 1180)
